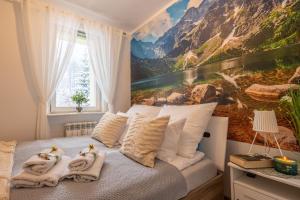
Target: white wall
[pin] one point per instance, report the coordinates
(17, 103)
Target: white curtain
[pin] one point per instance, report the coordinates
(49, 36)
(104, 45)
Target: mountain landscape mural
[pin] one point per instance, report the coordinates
(243, 54)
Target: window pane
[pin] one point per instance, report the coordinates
(78, 77)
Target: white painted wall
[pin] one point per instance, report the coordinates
(17, 103)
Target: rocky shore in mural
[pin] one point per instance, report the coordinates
(242, 66)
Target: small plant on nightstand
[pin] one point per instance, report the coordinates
(79, 98)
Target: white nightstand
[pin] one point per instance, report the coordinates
(262, 186)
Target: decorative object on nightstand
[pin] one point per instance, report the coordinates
(285, 165)
(265, 123)
(251, 161)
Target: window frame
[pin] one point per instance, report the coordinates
(97, 108)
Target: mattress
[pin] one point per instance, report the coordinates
(199, 173)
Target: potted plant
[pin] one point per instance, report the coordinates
(291, 104)
(79, 98)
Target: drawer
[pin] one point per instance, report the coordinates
(244, 193)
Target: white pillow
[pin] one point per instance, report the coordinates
(149, 111)
(197, 118)
(169, 147)
(126, 126)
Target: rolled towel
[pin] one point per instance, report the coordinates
(51, 178)
(43, 162)
(84, 160)
(91, 174)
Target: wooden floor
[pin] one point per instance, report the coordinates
(212, 190)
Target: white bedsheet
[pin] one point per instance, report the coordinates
(199, 173)
(181, 162)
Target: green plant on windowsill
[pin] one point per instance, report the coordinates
(291, 105)
(79, 98)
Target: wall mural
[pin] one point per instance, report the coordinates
(243, 54)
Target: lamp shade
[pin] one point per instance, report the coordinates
(265, 122)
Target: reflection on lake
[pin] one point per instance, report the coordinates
(251, 62)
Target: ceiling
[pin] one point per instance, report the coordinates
(125, 14)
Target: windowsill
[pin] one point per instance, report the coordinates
(56, 114)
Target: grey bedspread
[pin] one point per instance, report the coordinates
(120, 178)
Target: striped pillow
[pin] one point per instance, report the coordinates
(144, 138)
(109, 129)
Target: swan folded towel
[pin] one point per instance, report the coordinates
(43, 162)
(84, 160)
(51, 178)
(88, 175)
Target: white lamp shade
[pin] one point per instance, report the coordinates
(265, 122)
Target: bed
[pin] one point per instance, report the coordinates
(122, 178)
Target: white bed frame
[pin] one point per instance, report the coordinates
(214, 147)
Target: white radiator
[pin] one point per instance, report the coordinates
(79, 128)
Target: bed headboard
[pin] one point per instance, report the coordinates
(214, 141)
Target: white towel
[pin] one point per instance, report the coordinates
(89, 175)
(38, 166)
(51, 178)
(83, 160)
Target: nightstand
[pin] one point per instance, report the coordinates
(262, 184)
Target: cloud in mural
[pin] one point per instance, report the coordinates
(154, 29)
(194, 3)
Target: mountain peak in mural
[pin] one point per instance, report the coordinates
(218, 29)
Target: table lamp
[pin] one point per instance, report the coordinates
(265, 123)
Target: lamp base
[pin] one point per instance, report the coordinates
(265, 144)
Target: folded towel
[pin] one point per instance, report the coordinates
(84, 160)
(51, 178)
(89, 175)
(43, 162)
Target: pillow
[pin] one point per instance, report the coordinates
(126, 126)
(169, 147)
(109, 128)
(144, 138)
(197, 118)
(150, 111)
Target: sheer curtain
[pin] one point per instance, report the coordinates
(104, 45)
(48, 36)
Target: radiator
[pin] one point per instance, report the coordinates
(79, 128)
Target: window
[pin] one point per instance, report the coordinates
(78, 77)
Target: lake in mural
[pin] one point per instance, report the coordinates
(243, 54)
